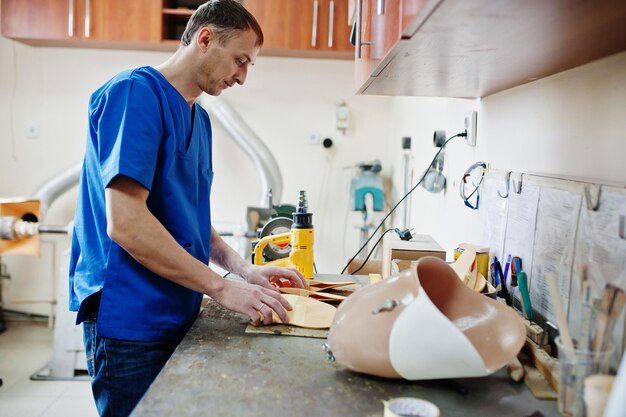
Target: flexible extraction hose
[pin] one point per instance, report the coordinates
(251, 144)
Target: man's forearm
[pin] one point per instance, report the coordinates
(138, 232)
(225, 256)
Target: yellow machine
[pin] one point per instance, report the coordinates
(300, 237)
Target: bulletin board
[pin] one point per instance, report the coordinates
(558, 225)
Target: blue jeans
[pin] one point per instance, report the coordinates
(121, 370)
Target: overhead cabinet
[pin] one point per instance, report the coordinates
(39, 21)
(301, 28)
(304, 27)
(454, 48)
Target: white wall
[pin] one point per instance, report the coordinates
(571, 124)
(283, 101)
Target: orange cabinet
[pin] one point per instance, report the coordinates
(38, 19)
(380, 24)
(304, 27)
(81, 20)
(299, 28)
(122, 20)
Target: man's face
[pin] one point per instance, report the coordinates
(222, 66)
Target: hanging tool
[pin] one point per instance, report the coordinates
(367, 182)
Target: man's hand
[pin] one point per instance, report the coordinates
(254, 301)
(266, 275)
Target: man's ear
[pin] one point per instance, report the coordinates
(204, 37)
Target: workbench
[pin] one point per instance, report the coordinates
(220, 370)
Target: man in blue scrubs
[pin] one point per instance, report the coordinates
(142, 236)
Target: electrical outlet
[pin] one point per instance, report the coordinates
(470, 128)
(33, 132)
(313, 138)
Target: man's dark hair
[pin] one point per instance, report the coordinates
(226, 17)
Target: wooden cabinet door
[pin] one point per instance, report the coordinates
(334, 26)
(105, 20)
(38, 19)
(303, 24)
(410, 10)
(286, 24)
(379, 30)
(382, 23)
(123, 20)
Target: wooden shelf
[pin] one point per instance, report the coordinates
(178, 12)
(174, 23)
(476, 48)
(163, 46)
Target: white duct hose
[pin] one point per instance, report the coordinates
(12, 228)
(251, 144)
(56, 186)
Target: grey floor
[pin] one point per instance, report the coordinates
(26, 347)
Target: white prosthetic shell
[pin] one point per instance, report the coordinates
(430, 326)
(438, 350)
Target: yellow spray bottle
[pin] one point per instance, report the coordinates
(301, 255)
(300, 238)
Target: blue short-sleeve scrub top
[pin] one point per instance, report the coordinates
(141, 127)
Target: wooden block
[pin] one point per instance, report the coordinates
(546, 364)
(399, 265)
(410, 250)
(372, 266)
(374, 278)
(463, 266)
(482, 256)
(534, 332)
(515, 370)
(538, 385)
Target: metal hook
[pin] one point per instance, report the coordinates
(507, 179)
(622, 221)
(591, 204)
(517, 186)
